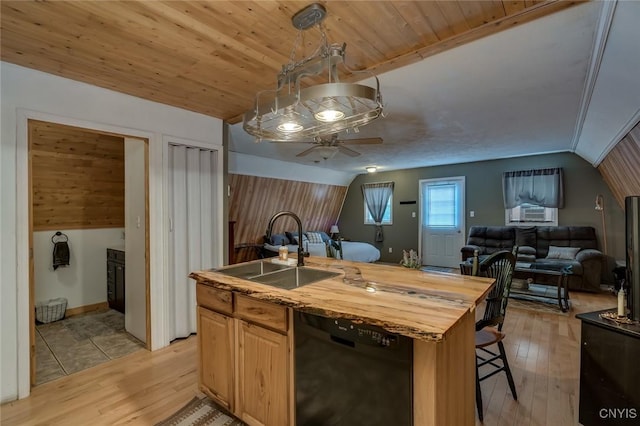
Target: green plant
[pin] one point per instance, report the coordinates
(410, 259)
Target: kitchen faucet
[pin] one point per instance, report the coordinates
(297, 219)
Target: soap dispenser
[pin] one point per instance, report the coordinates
(622, 303)
(283, 252)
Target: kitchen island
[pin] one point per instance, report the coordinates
(246, 336)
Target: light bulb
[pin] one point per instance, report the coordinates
(289, 123)
(329, 115)
(329, 111)
(289, 127)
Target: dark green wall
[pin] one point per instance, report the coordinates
(582, 182)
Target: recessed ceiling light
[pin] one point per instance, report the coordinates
(371, 169)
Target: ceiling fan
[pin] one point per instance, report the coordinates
(327, 146)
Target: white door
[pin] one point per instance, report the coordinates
(135, 318)
(442, 221)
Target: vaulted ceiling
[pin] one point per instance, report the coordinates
(456, 76)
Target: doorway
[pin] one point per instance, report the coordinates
(74, 189)
(442, 221)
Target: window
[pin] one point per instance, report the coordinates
(531, 215)
(442, 209)
(532, 197)
(377, 206)
(386, 218)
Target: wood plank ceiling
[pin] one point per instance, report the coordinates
(212, 57)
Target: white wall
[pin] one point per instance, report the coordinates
(614, 106)
(84, 281)
(25, 94)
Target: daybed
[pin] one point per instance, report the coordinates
(318, 243)
(544, 247)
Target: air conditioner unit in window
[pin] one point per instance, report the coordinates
(532, 214)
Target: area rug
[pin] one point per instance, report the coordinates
(547, 306)
(201, 411)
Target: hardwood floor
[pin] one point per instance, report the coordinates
(543, 350)
(146, 387)
(140, 389)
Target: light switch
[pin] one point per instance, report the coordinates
(472, 213)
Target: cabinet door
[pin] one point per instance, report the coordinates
(120, 287)
(263, 376)
(215, 350)
(111, 283)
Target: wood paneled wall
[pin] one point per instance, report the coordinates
(255, 199)
(77, 178)
(621, 167)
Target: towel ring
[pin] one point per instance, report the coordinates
(56, 238)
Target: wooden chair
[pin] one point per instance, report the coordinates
(499, 266)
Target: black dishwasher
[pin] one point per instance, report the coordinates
(351, 374)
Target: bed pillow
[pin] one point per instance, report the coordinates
(566, 253)
(279, 239)
(324, 235)
(314, 237)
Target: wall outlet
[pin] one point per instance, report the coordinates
(413, 214)
(472, 213)
(390, 250)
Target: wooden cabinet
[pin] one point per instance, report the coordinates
(215, 351)
(263, 375)
(609, 374)
(244, 355)
(115, 279)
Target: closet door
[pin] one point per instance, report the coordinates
(192, 243)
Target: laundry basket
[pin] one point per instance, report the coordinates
(51, 310)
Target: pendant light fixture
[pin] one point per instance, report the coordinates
(295, 111)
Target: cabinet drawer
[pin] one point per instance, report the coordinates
(213, 298)
(263, 313)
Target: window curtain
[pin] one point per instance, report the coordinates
(376, 195)
(542, 187)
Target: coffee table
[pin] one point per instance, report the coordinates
(539, 290)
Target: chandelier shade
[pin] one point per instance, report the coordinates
(294, 113)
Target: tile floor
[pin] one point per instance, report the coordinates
(80, 342)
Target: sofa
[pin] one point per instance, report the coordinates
(544, 247)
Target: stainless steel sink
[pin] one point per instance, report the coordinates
(294, 277)
(281, 276)
(248, 271)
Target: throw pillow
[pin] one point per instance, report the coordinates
(566, 253)
(314, 237)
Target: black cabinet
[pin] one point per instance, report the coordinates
(115, 279)
(609, 372)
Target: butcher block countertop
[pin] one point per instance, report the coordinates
(410, 302)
